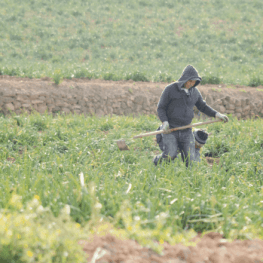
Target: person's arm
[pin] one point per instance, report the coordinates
(203, 107)
(162, 105)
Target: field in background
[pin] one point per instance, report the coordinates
(139, 40)
(48, 157)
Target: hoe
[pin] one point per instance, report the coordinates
(122, 145)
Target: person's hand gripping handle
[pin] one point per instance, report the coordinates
(222, 117)
(165, 127)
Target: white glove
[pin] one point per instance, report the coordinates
(222, 117)
(166, 127)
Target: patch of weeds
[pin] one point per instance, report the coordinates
(74, 43)
(106, 126)
(60, 148)
(61, 136)
(136, 76)
(109, 76)
(33, 220)
(55, 59)
(145, 126)
(255, 81)
(259, 89)
(76, 13)
(57, 76)
(143, 3)
(113, 55)
(96, 144)
(242, 90)
(216, 149)
(82, 73)
(40, 125)
(10, 72)
(44, 55)
(15, 37)
(130, 159)
(159, 55)
(169, 5)
(230, 87)
(210, 80)
(163, 77)
(14, 54)
(131, 58)
(236, 58)
(19, 121)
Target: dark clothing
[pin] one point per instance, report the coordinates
(159, 140)
(182, 140)
(176, 106)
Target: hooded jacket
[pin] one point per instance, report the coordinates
(176, 106)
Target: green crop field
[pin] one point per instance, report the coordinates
(63, 178)
(140, 40)
(74, 161)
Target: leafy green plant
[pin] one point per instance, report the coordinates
(255, 81)
(33, 234)
(136, 76)
(81, 73)
(57, 77)
(211, 80)
(109, 76)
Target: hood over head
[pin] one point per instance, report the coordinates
(189, 73)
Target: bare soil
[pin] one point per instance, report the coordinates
(209, 248)
(47, 84)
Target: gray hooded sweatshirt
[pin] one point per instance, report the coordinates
(177, 106)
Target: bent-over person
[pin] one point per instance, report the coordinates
(175, 109)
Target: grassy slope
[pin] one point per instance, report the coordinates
(227, 197)
(142, 40)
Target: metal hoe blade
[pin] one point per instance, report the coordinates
(122, 145)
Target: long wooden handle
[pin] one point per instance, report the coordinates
(175, 129)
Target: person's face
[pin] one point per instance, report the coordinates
(190, 83)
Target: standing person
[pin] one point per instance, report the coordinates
(175, 109)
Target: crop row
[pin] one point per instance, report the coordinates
(45, 156)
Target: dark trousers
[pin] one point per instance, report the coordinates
(182, 140)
